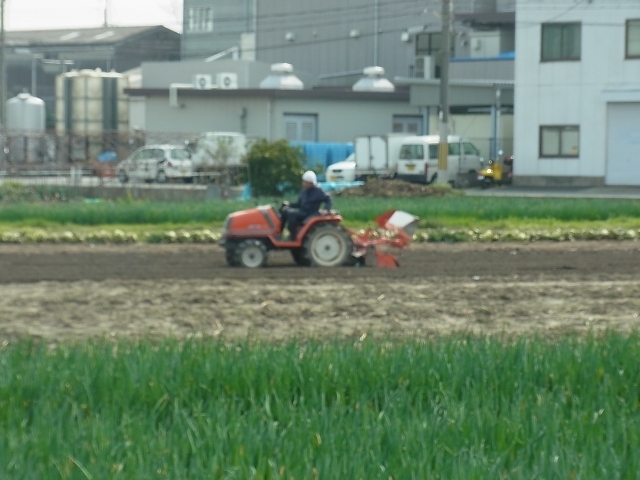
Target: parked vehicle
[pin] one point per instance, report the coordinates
(418, 158)
(495, 174)
(377, 155)
(413, 158)
(160, 163)
(213, 152)
(344, 171)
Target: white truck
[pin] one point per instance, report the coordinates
(413, 158)
(213, 152)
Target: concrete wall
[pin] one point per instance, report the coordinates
(559, 93)
(342, 121)
(501, 70)
(338, 121)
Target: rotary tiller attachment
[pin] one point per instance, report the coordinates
(398, 229)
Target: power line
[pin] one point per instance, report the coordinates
(370, 17)
(314, 12)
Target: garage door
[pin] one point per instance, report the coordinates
(623, 144)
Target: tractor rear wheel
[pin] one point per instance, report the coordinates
(251, 254)
(327, 245)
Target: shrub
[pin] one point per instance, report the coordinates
(274, 168)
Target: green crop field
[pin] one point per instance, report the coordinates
(455, 408)
(447, 210)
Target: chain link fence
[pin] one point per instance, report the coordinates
(50, 154)
(90, 160)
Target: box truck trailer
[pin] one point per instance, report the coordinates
(407, 157)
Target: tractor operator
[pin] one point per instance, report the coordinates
(308, 204)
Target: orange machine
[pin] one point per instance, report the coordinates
(322, 241)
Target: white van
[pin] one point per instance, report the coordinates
(344, 171)
(418, 158)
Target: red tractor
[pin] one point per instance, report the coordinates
(321, 241)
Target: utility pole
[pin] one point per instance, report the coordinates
(3, 76)
(443, 148)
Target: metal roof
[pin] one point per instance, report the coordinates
(317, 93)
(77, 36)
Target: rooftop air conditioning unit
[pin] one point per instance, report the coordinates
(227, 81)
(202, 81)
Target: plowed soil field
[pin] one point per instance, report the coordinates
(60, 292)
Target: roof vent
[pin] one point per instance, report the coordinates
(373, 81)
(282, 78)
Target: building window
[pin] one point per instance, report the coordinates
(301, 128)
(560, 141)
(560, 41)
(407, 124)
(428, 43)
(633, 39)
(200, 19)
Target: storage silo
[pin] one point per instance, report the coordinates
(92, 112)
(25, 128)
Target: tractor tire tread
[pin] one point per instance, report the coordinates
(308, 240)
(248, 243)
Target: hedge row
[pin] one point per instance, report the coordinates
(427, 235)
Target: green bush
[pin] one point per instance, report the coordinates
(274, 168)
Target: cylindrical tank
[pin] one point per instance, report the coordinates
(92, 111)
(26, 113)
(26, 116)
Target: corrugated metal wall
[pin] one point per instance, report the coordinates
(329, 37)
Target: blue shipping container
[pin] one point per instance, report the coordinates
(322, 155)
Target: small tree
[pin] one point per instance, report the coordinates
(273, 168)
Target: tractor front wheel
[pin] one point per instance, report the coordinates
(251, 254)
(231, 257)
(327, 245)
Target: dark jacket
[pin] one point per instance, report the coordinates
(310, 200)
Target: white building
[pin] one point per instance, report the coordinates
(577, 92)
